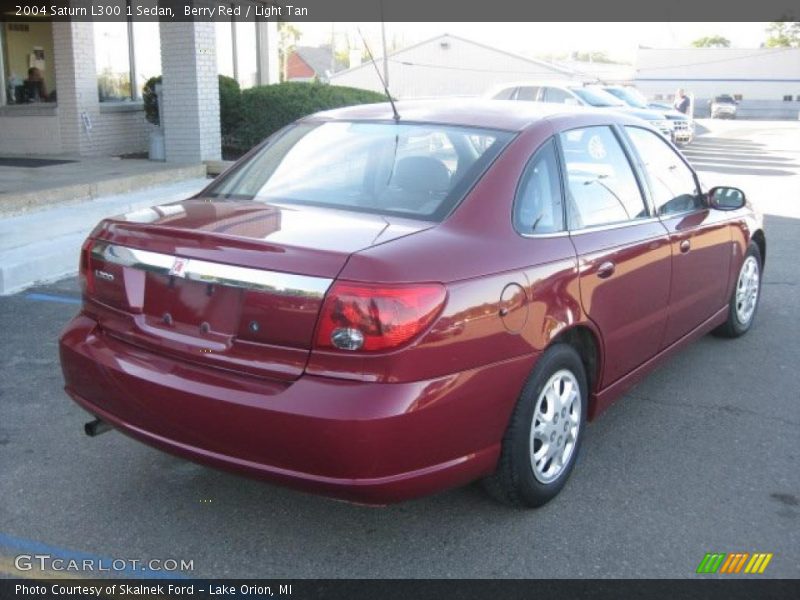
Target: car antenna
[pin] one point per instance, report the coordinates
(378, 71)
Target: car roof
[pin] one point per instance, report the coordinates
(508, 115)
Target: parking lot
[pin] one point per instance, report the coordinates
(701, 457)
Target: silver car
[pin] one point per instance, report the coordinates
(578, 94)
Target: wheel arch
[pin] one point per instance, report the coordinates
(761, 241)
(586, 342)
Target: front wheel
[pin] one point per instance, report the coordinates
(744, 298)
(544, 435)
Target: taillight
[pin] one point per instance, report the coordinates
(370, 317)
(86, 270)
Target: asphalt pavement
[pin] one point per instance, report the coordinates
(700, 457)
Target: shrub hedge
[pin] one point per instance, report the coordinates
(265, 109)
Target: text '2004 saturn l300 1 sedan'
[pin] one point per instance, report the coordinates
(375, 306)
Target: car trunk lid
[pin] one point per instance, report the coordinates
(231, 285)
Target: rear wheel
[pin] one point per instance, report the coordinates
(544, 435)
(744, 298)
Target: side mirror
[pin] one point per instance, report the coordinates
(726, 198)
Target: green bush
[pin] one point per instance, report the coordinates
(151, 100)
(229, 103)
(265, 109)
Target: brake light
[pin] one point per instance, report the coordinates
(369, 317)
(85, 270)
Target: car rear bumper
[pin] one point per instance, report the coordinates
(367, 442)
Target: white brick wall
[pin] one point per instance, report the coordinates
(190, 91)
(76, 83)
(35, 134)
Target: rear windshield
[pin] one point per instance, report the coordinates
(414, 170)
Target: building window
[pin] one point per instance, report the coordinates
(787, 98)
(237, 51)
(127, 54)
(225, 63)
(27, 69)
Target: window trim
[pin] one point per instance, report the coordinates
(3, 86)
(640, 166)
(634, 169)
(557, 154)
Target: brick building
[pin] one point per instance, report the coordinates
(309, 63)
(90, 103)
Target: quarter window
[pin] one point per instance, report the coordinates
(538, 206)
(601, 186)
(672, 183)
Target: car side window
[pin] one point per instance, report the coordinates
(527, 92)
(538, 204)
(672, 183)
(556, 95)
(601, 186)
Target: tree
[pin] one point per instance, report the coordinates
(712, 41)
(783, 34)
(288, 35)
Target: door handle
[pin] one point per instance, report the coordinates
(685, 246)
(605, 270)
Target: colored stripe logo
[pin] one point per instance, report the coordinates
(734, 563)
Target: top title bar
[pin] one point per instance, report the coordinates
(397, 10)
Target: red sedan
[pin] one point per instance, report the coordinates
(376, 308)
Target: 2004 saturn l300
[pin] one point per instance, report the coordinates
(376, 308)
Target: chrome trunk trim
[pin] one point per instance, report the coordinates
(274, 282)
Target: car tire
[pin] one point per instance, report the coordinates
(745, 296)
(520, 479)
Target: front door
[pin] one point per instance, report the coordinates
(700, 238)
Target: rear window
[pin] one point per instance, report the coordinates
(412, 170)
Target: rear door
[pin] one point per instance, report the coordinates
(529, 93)
(623, 251)
(700, 238)
(555, 95)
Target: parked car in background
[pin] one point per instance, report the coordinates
(683, 125)
(378, 308)
(579, 95)
(723, 107)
